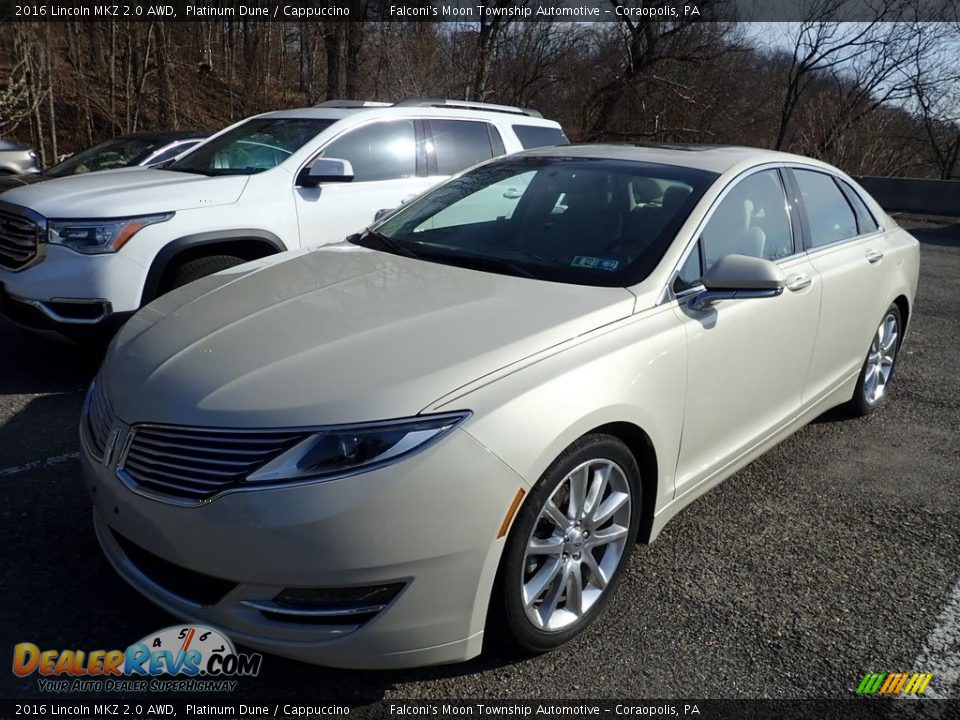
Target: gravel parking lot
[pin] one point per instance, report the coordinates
(836, 554)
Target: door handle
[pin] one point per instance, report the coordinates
(874, 256)
(799, 282)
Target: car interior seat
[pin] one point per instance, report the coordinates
(731, 230)
(591, 223)
(645, 223)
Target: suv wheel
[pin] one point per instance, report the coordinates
(197, 268)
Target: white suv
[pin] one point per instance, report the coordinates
(81, 254)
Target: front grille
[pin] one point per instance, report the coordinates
(190, 585)
(19, 240)
(195, 464)
(98, 419)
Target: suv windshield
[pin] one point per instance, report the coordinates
(251, 147)
(116, 153)
(575, 220)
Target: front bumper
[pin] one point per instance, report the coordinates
(69, 291)
(430, 522)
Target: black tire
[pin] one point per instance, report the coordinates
(195, 269)
(861, 403)
(508, 620)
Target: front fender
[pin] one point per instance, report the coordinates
(633, 371)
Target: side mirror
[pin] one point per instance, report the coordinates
(739, 276)
(325, 170)
(381, 214)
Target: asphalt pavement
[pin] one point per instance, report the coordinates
(835, 554)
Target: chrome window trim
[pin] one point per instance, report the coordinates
(668, 294)
(811, 252)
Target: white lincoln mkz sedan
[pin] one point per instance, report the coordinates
(463, 419)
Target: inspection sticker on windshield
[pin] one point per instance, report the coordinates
(583, 261)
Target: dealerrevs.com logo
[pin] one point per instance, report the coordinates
(181, 658)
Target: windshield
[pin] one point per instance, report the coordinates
(116, 153)
(251, 147)
(584, 221)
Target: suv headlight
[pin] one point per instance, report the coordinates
(345, 450)
(95, 237)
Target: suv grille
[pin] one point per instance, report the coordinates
(98, 419)
(18, 240)
(195, 464)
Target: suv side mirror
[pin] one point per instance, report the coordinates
(325, 170)
(739, 276)
(382, 213)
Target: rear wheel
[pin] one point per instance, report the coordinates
(569, 544)
(878, 369)
(197, 268)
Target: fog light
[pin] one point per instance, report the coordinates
(339, 598)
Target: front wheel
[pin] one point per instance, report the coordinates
(570, 544)
(878, 368)
(197, 268)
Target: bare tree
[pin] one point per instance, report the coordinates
(643, 44)
(935, 79)
(863, 63)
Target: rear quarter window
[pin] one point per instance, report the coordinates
(866, 222)
(532, 136)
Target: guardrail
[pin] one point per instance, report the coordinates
(911, 195)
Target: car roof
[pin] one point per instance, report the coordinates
(329, 113)
(712, 158)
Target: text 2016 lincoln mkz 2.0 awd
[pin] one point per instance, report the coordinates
(461, 420)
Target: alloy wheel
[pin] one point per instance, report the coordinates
(576, 545)
(880, 359)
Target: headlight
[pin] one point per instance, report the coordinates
(345, 450)
(94, 237)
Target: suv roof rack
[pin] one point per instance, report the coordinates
(467, 105)
(351, 104)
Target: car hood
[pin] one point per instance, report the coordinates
(336, 335)
(124, 192)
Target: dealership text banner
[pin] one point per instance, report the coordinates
(475, 11)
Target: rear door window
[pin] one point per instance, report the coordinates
(866, 222)
(460, 144)
(828, 212)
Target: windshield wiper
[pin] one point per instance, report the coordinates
(390, 244)
(477, 261)
(189, 171)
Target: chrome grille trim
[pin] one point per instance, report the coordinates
(193, 465)
(97, 419)
(20, 236)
